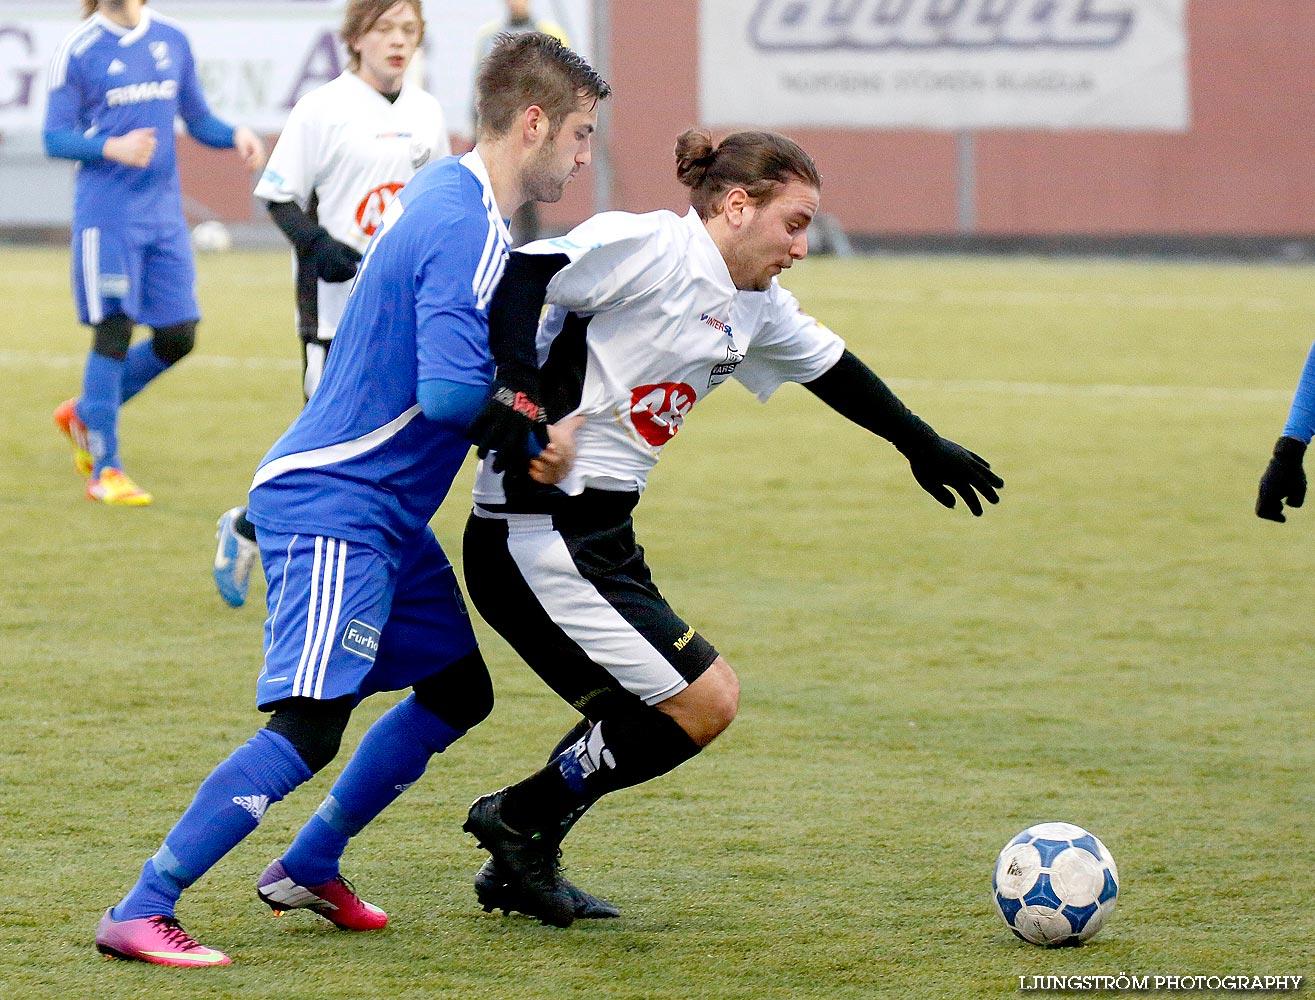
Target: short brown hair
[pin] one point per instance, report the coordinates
(531, 69)
(89, 7)
(360, 18)
(759, 162)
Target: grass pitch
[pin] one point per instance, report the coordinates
(1120, 644)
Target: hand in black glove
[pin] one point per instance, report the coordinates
(1283, 479)
(938, 463)
(510, 418)
(334, 261)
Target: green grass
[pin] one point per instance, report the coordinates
(1120, 644)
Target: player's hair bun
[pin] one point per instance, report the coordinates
(694, 155)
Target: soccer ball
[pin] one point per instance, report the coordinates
(1055, 884)
(212, 237)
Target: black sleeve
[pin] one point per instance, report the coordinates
(514, 311)
(854, 391)
(300, 229)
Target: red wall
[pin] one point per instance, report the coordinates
(1246, 167)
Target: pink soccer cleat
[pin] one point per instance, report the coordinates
(159, 940)
(336, 901)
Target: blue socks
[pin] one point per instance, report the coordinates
(106, 385)
(228, 806)
(392, 756)
(141, 365)
(98, 408)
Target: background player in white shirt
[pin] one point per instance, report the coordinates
(346, 150)
(646, 315)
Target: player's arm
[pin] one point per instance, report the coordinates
(65, 130)
(1284, 478)
(205, 127)
(939, 465)
(334, 261)
(513, 422)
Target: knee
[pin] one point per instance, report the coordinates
(314, 728)
(723, 699)
(461, 694)
(111, 336)
(173, 343)
(707, 706)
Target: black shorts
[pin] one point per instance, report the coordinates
(570, 592)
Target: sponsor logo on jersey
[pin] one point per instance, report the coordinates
(370, 212)
(966, 24)
(138, 93)
(160, 53)
(719, 325)
(683, 641)
(361, 639)
(115, 67)
(658, 410)
(723, 370)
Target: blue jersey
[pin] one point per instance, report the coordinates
(106, 80)
(362, 462)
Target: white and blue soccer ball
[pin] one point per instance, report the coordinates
(1055, 884)
(212, 236)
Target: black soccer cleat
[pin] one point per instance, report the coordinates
(528, 862)
(496, 893)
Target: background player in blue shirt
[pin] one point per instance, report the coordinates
(1284, 479)
(361, 598)
(116, 85)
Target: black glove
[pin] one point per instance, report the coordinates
(334, 261)
(511, 416)
(938, 463)
(1283, 479)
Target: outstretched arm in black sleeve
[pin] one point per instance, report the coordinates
(333, 261)
(513, 423)
(939, 465)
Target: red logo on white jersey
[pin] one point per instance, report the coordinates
(371, 210)
(657, 411)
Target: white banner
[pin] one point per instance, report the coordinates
(256, 58)
(944, 64)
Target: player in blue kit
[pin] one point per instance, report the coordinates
(361, 597)
(116, 85)
(1284, 478)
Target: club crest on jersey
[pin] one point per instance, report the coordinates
(420, 154)
(361, 639)
(657, 411)
(723, 370)
(160, 53)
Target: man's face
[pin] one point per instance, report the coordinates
(560, 158)
(386, 49)
(773, 236)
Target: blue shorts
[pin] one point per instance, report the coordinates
(144, 272)
(349, 619)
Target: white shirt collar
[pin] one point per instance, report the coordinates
(705, 253)
(126, 35)
(472, 162)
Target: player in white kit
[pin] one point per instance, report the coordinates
(646, 315)
(346, 150)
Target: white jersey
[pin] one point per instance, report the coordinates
(343, 155)
(643, 323)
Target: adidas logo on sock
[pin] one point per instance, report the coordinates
(254, 804)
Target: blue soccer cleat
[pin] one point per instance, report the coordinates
(234, 558)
